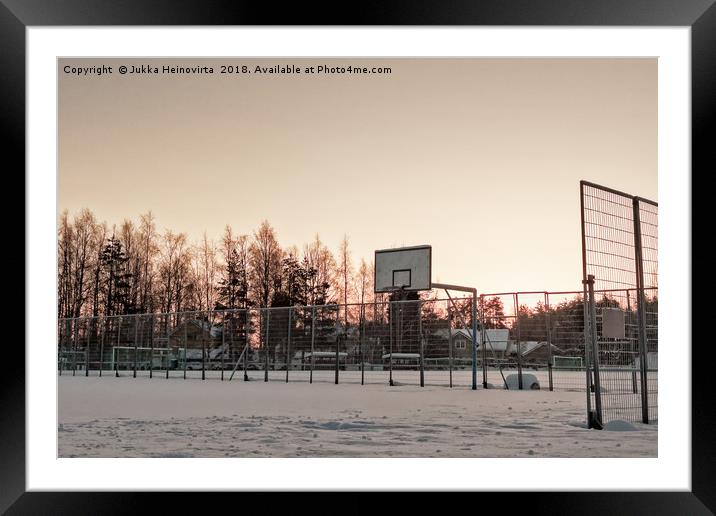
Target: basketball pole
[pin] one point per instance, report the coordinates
(473, 291)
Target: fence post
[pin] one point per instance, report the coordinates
(223, 344)
(266, 344)
(74, 345)
(547, 320)
(186, 344)
(166, 363)
(338, 340)
(288, 342)
(641, 312)
(420, 338)
(136, 336)
(313, 339)
(203, 345)
(247, 324)
(151, 346)
(119, 341)
(519, 343)
(87, 356)
(101, 345)
(361, 329)
(391, 315)
(594, 353)
(483, 341)
(450, 344)
(474, 340)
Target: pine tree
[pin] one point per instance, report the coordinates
(114, 262)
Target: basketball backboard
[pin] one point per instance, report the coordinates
(408, 268)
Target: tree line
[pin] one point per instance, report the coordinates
(134, 268)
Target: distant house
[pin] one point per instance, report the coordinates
(497, 344)
(194, 333)
(197, 337)
(497, 341)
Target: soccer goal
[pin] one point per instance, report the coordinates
(72, 359)
(125, 357)
(568, 363)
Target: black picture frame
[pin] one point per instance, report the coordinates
(699, 15)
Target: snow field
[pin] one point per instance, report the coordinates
(142, 417)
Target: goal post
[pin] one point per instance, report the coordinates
(568, 363)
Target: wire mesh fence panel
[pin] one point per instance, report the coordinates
(499, 340)
(619, 259)
(566, 335)
(534, 346)
(376, 342)
(410, 342)
(436, 352)
(348, 344)
(649, 239)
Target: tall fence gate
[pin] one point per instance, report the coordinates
(620, 255)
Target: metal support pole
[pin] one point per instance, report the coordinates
(74, 345)
(186, 344)
(474, 322)
(422, 344)
(338, 340)
(594, 352)
(474, 340)
(391, 315)
(266, 344)
(288, 342)
(450, 345)
(519, 343)
(119, 341)
(101, 345)
(548, 324)
(313, 340)
(203, 346)
(166, 364)
(362, 344)
(136, 336)
(483, 342)
(87, 348)
(151, 346)
(641, 313)
(223, 345)
(247, 324)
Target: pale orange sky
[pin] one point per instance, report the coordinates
(481, 158)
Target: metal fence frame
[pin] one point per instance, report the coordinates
(620, 247)
(413, 342)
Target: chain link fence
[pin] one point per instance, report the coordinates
(525, 340)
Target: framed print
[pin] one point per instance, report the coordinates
(412, 251)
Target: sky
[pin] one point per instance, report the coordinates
(480, 158)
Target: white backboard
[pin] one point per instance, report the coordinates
(407, 267)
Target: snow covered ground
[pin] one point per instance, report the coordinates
(142, 417)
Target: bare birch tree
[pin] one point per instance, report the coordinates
(265, 262)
